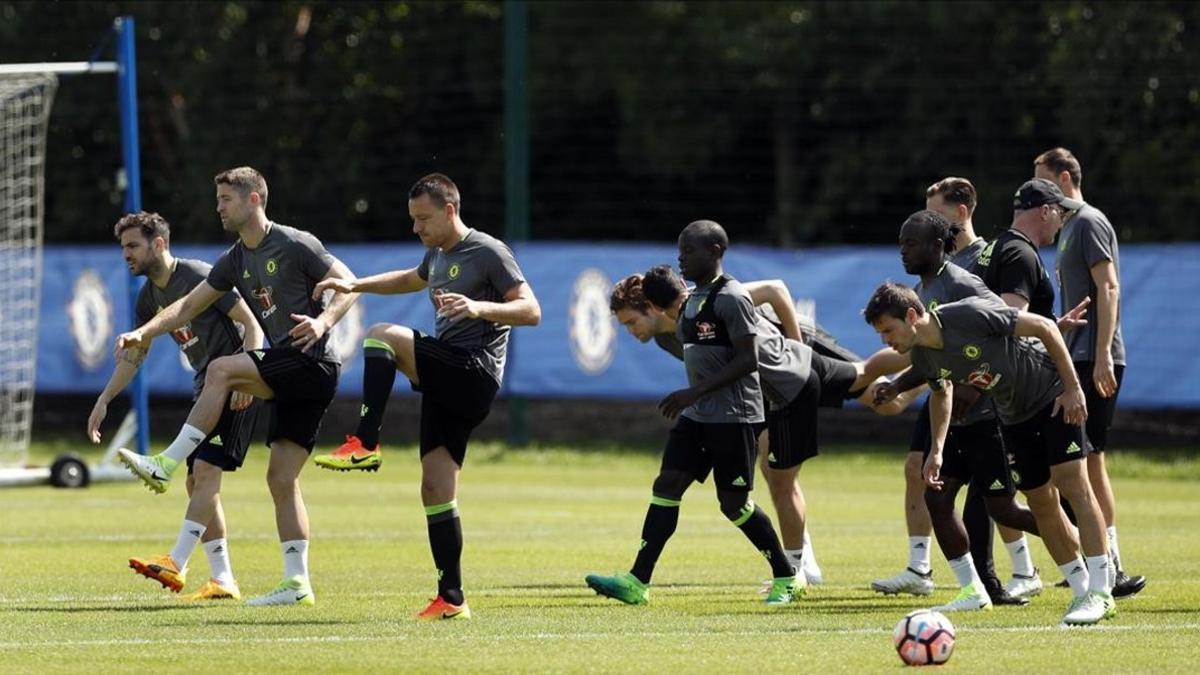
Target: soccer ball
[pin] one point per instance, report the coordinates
(924, 638)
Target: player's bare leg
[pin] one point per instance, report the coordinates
(439, 493)
(291, 520)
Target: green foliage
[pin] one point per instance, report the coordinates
(791, 122)
(535, 524)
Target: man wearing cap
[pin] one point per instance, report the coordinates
(1010, 265)
(1088, 267)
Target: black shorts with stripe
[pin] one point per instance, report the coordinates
(303, 385)
(1039, 443)
(792, 430)
(229, 441)
(456, 395)
(728, 450)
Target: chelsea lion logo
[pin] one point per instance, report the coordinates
(91, 321)
(591, 328)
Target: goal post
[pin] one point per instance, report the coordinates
(26, 94)
(25, 102)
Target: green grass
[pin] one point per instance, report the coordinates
(536, 522)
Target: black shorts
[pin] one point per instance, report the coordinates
(1039, 443)
(303, 388)
(456, 395)
(792, 430)
(226, 446)
(728, 450)
(974, 453)
(922, 435)
(1100, 409)
(834, 379)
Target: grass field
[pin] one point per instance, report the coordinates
(536, 521)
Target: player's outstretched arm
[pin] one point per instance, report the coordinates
(520, 307)
(128, 362)
(1071, 401)
(940, 404)
(385, 283)
(180, 312)
(775, 293)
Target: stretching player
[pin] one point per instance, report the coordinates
(278, 266)
(720, 414)
(146, 243)
(785, 372)
(974, 450)
(976, 342)
(478, 293)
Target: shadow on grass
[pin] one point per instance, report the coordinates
(109, 608)
(278, 621)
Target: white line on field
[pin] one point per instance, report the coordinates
(60, 644)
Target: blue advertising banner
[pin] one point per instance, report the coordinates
(579, 350)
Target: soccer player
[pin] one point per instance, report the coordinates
(146, 244)
(781, 362)
(1088, 267)
(1041, 408)
(279, 267)
(478, 293)
(720, 414)
(974, 450)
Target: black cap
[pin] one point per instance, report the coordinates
(1039, 192)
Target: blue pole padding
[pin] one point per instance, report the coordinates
(131, 154)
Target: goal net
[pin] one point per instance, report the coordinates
(25, 102)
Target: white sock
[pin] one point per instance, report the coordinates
(189, 536)
(795, 556)
(295, 558)
(185, 443)
(918, 554)
(964, 572)
(218, 561)
(1076, 574)
(1098, 567)
(1018, 552)
(1113, 550)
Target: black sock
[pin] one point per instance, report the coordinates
(379, 373)
(661, 519)
(757, 527)
(446, 542)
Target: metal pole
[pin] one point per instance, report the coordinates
(516, 164)
(130, 154)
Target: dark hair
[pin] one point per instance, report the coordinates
(661, 286)
(244, 180)
(1059, 160)
(892, 299)
(627, 294)
(955, 191)
(707, 233)
(151, 224)
(936, 227)
(440, 188)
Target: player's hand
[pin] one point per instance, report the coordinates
(456, 306)
(885, 392)
(932, 472)
(1073, 406)
(333, 284)
(99, 412)
(1074, 318)
(677, 401)
(134, 339)
(1104, 377)
(240, 401)
(307, 332)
